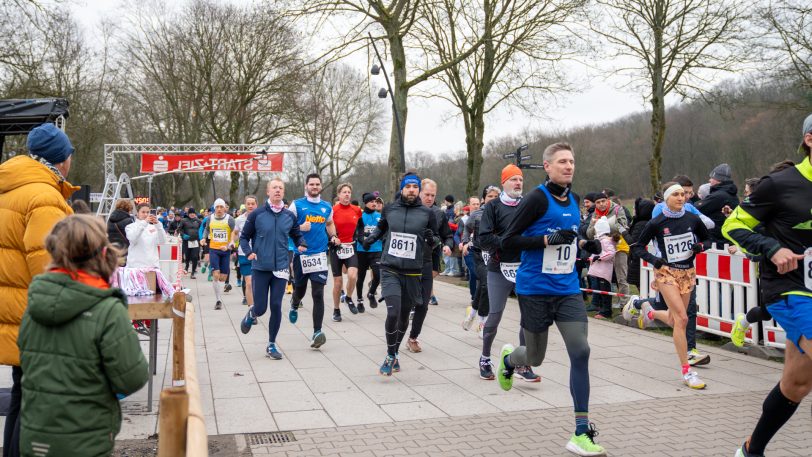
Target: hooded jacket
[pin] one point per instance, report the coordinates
(78, 350)
(721, 195)
(117, 226)
(191, 228)
(144, 239)
(410, 223)
(32, 201)
(643, 209)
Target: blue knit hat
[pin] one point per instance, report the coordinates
(50, 143)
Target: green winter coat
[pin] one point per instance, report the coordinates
(78, 350)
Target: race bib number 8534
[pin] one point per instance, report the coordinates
(314, 263)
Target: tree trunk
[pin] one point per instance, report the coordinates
(475, 131)
(197, 200)
(401, 93)
(234, 189)
(657, 100)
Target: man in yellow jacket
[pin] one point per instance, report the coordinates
(33, 193)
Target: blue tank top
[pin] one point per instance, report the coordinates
(529, 279)
(370, 221)
(317, 214)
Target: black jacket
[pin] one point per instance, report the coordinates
(496, 217)
(721, 195)
(643, 209)
(191, 227)
(415, 221)
(442, 230)
(118, 221)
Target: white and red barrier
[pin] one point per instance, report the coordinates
(170, 260)
(726, 286)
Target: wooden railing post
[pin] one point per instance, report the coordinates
(172, 422)
(178, 339)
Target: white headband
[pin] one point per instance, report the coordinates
(671, 190)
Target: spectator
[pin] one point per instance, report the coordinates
(449, 207)
(33, 193)
(642, 214)
(722, 193)
(78, 352)
(704, 191)
(174, 225)
(79, 207)
(601, 267)
(144, 234)
(117, 224)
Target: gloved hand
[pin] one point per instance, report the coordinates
(366, 243)
(592, 246)
(565, 236)
(658, 263)
(595, 258)
(697, 248)
(431, 239)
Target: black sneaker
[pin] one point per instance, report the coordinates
(336, 316)
(373, 302)
(193, 276)
(227, 288)
(486, 369)
(351, 305)
(361, 307)
(218, 305)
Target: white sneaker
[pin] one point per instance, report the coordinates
(697, 358)
(691, 379)
(629, 311)
(470, 314)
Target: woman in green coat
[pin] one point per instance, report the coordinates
(78, 348)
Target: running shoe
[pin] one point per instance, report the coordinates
(239, 282)
(413, 345)
(350, 305)
(318, 340)
(244, 301)
(470, 314)
(336, 316)
(227, 288)
(691, 379)
(361, 308)
(630, 312)
(272, 352)
(193, 276)
(373, 302)
(343, 297)
(218, 305)
(388, 365)
(203, 268)
(600, 316)
(289, 289)
(584, 444)
(526, 374)
(396, 365)
(697, 358)
(293, 314)
(209, 278)
(505, 374)
(433, 301)
(739, 330)
(248, 321)
(741, 452)
(643, 321)
(486, 369)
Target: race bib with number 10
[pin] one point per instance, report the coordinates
(559, 259)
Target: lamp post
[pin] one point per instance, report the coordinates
(375, 71)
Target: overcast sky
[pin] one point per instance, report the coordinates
(433, 125)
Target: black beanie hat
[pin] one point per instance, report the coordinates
(368, 197)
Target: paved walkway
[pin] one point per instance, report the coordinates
(336, 404)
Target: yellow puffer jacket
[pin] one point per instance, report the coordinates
(32, 201)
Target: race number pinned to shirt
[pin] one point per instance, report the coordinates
(559, 259)
(403, 245)
(219, 235)
(345, 251)
(509, 270)
(678, 247)
(808, 268)
(314, 263)
(486, 256)
(282, 274)
(192, 244)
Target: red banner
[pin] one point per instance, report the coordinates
(211, 161)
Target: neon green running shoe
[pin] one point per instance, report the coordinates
(584, 444)
(503, 373)
(739, 330)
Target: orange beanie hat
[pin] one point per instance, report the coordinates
(510, 171)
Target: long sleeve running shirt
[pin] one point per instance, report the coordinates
(675, 238)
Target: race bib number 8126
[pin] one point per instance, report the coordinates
(808, 268)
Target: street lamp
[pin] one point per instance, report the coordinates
(375, 71)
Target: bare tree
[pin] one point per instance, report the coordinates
(338, 116)
(789, 24)
(674, 47)
(397, 18)
(523, 41)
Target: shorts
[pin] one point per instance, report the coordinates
(245, 265)
(408, 287)
(336, 264)
(794, 314)
(538, 312)
(219, 261)
(685, 280)
(300, 279)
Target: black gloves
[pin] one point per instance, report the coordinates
(658, 263)
(561, 237)
(366, 242)
(697, 248)
(592, 246)
(595, 258)
(431, 240)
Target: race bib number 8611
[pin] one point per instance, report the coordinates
(403, 245)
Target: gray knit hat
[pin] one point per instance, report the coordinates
(803, 148)
(722, 172)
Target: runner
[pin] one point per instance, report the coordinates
(544, 228)
(782, 202)
(243, 263)
(480, 305)
(679, 235)
(217, 236)
(368, 258)
(405, 226)
(190, 233)
(501, 267)
(431, 263)
(264, 237)
(315, 219)
(342, 255)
